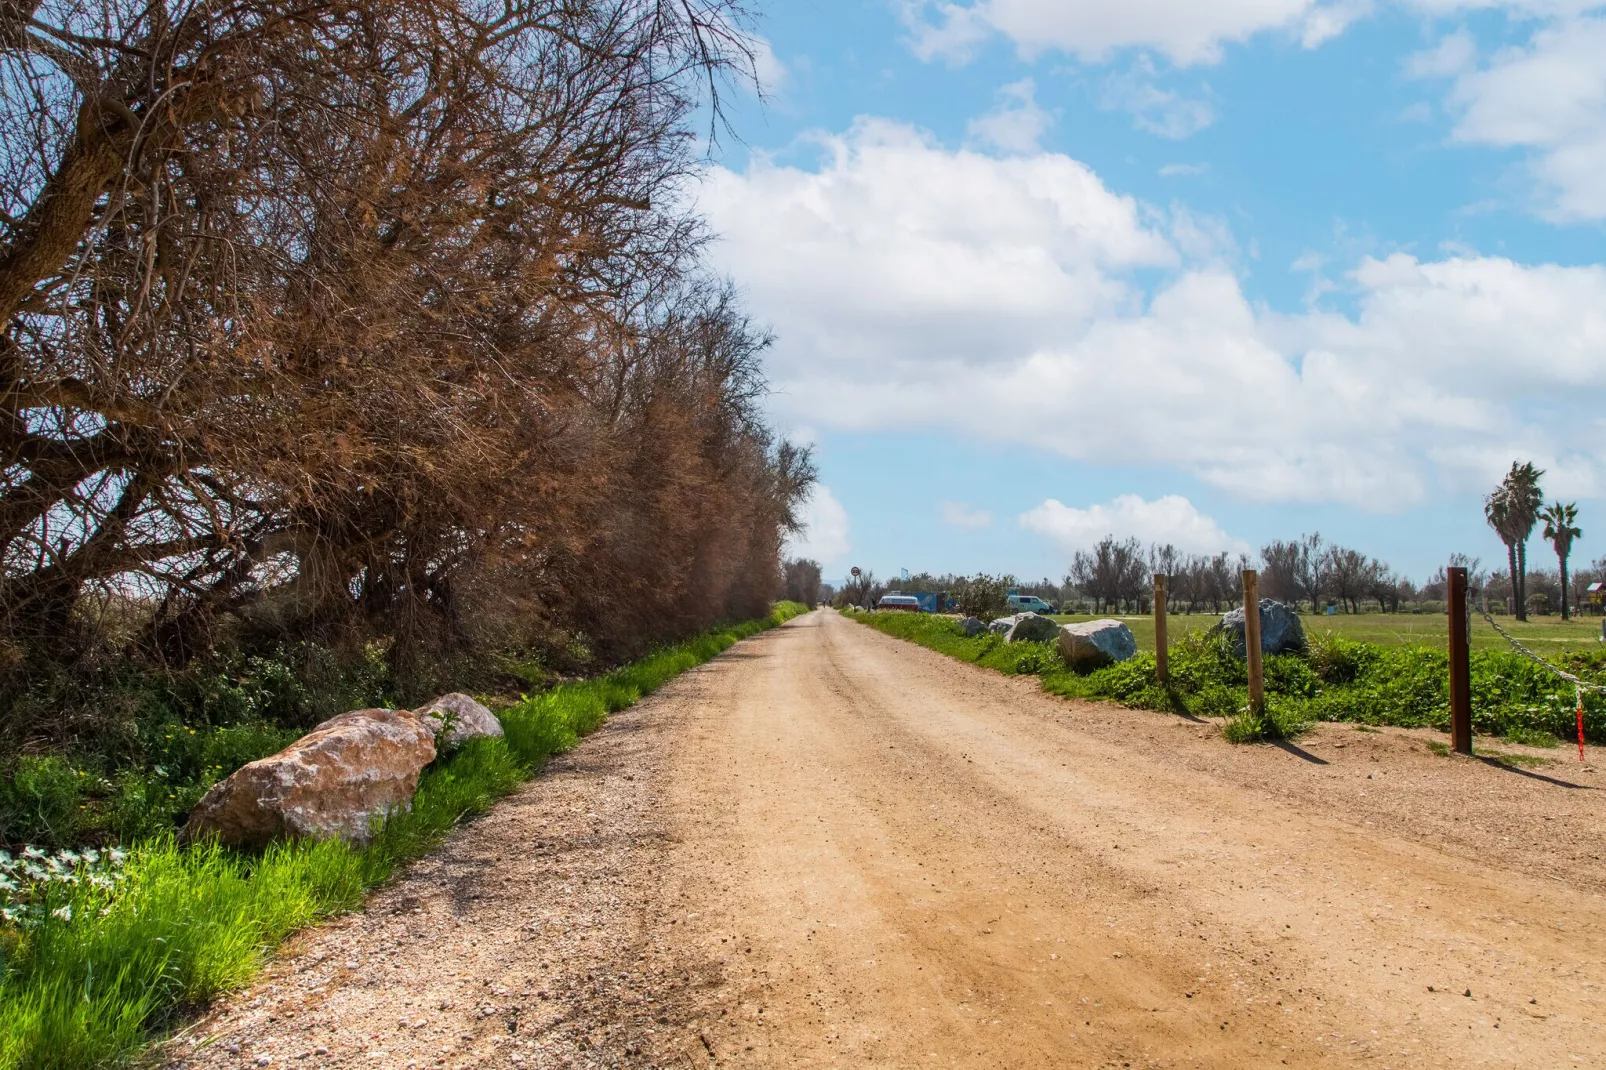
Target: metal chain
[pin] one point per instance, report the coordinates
(1583, 685)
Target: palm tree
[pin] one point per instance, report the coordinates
(1561, 528)
(1524, 500)
(1497, 511)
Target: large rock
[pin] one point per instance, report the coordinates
(972, 627)
(1280, 629)
(336, 780)
(1031, 628)
(1001, 626)
(1096, 643)
(457, 718)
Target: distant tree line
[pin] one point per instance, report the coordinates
(1309, 572)
(1117, 575)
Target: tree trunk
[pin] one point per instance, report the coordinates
(1511, 561)
(1565, 615)
(1522, 580)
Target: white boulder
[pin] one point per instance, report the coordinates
(1096, 643)
(457, 718)
(337, 780)
(1031, 628)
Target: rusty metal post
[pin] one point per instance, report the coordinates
(1160, 645)
(1460, 664)
(1257, 680)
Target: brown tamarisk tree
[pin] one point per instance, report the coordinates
(360, 320)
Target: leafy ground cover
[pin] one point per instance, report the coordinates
(1544, 634)
(1337, 679)
(102, 949)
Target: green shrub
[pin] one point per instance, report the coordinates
(982, 596)
(1336, 679)
(1281, 718)
(1531, 737)
(40, 800)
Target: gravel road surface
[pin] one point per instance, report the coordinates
(831, 848)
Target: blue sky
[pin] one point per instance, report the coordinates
(1204, 273)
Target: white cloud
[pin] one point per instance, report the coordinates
(960, 515)
(1172, 170)
(1017, 124)
(1001, 298)
(1550, 98)
(1456, 53)
(1171, 519)
(825, 530)
(1186, 31)
(1156, 110)
(897, 250)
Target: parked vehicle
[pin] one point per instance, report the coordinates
(1028, 603)
(906, 602)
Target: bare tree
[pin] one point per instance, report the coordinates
(337, 319)
(1112, 572)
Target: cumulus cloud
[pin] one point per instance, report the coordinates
(825, 530)
(1171, 519)
(1156, 110)
(1451, 56)
(1185, 31)
(1017, 124)
(1550, 98)
(1011, 299)
(960, 515)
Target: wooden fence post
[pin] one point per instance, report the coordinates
(1460, 664)
(1257, 681)
(1160, 646)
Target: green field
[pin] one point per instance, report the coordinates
(1544, 635)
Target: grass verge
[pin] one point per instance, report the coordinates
(1337, 679)
(110, 962)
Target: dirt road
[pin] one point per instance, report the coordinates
(830, 848)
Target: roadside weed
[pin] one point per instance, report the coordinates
(102, 949)
(1336, 679)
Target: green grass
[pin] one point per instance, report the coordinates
(1545, 634)
(109, 967)
(1337, 679)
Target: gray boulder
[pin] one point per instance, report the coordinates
(1280, 629)
(1001, 626)
(972, 627)
(456, 718)
(1096, 643)
(1031, 628)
